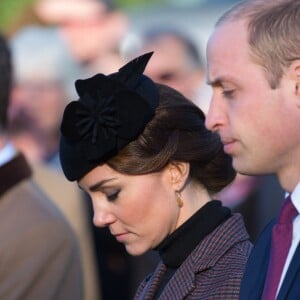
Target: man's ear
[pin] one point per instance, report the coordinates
(294, 72)
(179, 173)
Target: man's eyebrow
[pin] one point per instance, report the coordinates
(215, 82)
(220, 80)
(98, 185)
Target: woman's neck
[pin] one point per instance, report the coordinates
(193, 197)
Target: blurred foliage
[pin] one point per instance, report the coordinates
(131, 3)
(14, 13)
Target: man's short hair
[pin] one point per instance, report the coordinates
(273, 33)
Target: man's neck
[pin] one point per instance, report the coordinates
(289, 177)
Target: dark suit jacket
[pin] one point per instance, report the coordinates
(39, 256)
(255, 274)
(212, 271)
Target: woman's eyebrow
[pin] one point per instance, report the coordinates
(99, 184)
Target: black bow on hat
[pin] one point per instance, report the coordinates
(112, 111)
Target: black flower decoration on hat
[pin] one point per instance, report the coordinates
(94, 119)
(92, 123)
(111, 112)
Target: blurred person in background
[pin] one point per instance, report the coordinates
(176, 62)
(40, 257)
(43, 73)
(92, 30)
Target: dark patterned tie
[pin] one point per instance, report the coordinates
(282, 234)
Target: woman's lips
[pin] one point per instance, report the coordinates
(228, 146)
(121, 237)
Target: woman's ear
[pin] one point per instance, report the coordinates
(179, 173)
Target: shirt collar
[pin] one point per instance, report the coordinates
(7, 153)
(296, 197)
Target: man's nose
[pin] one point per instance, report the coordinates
(215, 116)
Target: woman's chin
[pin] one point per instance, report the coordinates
(135, 251)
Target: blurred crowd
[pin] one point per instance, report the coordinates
(71, 39)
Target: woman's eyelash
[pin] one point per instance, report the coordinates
(113, 196)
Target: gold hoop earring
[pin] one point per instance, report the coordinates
(179, 199)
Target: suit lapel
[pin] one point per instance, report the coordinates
(254, 277)
(290, 275)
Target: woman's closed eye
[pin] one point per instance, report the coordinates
(113, 195)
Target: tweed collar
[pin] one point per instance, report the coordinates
(177, 246)
(205, 256)
(222, 242)
(12, 172)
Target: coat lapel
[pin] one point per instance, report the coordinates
(205, 256)
(182, 283)
(153, 282)
(291, 274)
(13, 172)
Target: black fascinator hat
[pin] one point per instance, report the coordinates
(112, 110)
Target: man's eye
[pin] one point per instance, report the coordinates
(113, 196)
(228, 93)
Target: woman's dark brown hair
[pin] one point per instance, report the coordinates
(177, 133)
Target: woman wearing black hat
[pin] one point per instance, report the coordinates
(143, 154)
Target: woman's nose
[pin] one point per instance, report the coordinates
(103, 218)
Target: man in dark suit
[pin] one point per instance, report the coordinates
(39, 254)
(254, 69)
